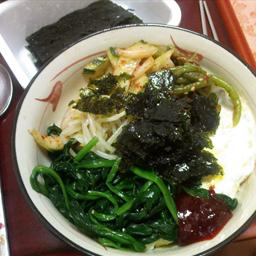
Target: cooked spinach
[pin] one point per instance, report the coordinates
(120, 209)
(124, 210)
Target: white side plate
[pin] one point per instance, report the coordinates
(20, 18)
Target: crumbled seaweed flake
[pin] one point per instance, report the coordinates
(93, 102)
(204, 112)
(105, 84)
(161, 82)
(170, 134)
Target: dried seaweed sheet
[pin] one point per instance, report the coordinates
(49, 40)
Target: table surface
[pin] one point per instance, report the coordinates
(27, 236)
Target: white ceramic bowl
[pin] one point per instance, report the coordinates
(67, 67)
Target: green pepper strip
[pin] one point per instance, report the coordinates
(190, 87)
(41, 188)
(92, 195)
(158, 181)
(95, 163)
(86, 149)
(180, 70)
(232, 93)
(111, 176)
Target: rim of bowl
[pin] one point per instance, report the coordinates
(42, 219)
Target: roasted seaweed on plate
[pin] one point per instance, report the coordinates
(49, 40)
